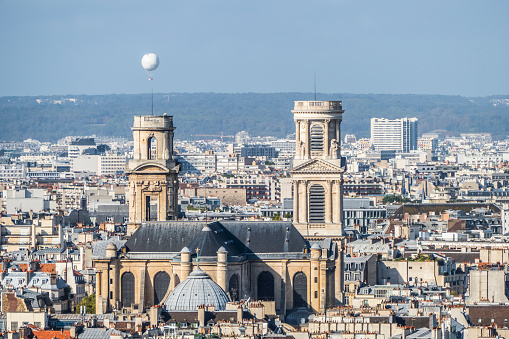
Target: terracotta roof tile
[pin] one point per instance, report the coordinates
(43, 334)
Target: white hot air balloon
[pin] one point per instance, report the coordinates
(150, 61)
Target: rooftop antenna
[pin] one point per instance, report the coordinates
(315, 85)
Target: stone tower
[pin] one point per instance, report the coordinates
(153, 182)
(318, 169)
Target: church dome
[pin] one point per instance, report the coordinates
(198, 289)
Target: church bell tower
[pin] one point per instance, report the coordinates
(318, 169)
(153, 171)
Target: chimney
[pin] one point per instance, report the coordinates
(201, 316)
(155, 311)
(240, 314)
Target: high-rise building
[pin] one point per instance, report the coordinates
(394, 135)
(317, 168)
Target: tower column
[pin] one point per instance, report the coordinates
(303, 208)
(170, 149)
(297, 139)
(296, 201)
(326, 138)
(328, 203)
(115, 285)
(98, 291)
(339, 275)
(340, 201)
(338, 131)
(336, 218)
(185, 263)
(307, 141)
(221, 268)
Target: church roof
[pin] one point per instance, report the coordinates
(198, 289)
(237, 237)
(213, 237)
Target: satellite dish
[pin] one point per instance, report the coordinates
(150, 61)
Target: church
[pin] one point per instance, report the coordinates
(181, 265)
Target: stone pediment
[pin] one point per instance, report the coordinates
(151, 168)
(317, 166)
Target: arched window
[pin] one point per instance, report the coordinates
(152, 148)
(161, 283)
(265, 286)
(317, 204)
(300, 290)
(316, 142)
(233, 287)
(127, 289)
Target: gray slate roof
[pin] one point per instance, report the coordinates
(237, 237)
(99, 247)
(99, 333)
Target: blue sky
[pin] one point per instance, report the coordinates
(399, 47)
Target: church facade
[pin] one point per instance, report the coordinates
(292, 266)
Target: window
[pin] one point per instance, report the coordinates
(316, 294)
(316, 279)
(234, 287)
(127, 289)
(14, 325)
(161, 284)
(265, 286)
(152, 148)
(316, 142)
(300, 291)
(317, 204)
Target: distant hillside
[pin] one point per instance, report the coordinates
(54, 117)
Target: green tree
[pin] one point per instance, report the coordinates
(394, 198)
(276, 217)
(89, 303)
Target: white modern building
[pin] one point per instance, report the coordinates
(394, 135)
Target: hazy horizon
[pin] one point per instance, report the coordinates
(392, 47)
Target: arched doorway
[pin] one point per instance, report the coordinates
(265, 286)
(161, 284)
(300, 290)
(233, 287)
(127, 289)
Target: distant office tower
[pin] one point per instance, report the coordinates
(394, 135)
